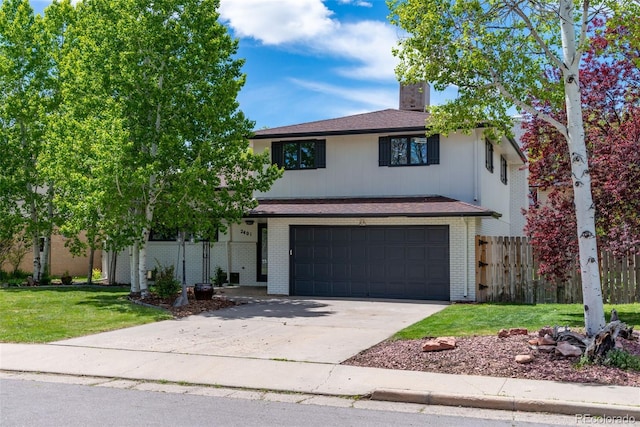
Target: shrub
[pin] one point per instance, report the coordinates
(19, 274)
(45, 279)
(96, 274)
(166, 285)
(623, 360)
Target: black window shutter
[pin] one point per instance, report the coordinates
(433, 150)
(384, 151)
(321, 153)
(276, 153)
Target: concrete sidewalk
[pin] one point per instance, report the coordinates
(324, 379)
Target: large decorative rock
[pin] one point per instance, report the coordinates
(546, 340)
(547, 348)
(568, 350)
(518, 331)
(439, 344)
(547, 330)
(503, 333)
(524, 358)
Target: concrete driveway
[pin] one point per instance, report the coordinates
(292, 329)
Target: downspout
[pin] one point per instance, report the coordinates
(475, 169)
(466, 257)
(229, 260)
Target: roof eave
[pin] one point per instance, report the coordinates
(339, 132)
(376, 215)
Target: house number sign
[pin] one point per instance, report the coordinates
(246, 232)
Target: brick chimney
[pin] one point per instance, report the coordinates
(414, 97)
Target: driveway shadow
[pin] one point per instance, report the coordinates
(276, 308)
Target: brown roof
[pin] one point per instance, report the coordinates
(434, 206)
(377, 121)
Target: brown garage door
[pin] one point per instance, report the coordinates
(409, 262)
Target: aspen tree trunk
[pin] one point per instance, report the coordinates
(45, 268)
(142, 265)
(584, 205)
(133, 269)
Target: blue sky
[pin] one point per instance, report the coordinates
(310, 60)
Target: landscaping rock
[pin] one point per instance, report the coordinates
(547, 348)
(568, 350)
(546, 340)
(524, 358)
(503, 333)
(547, 330)
(518, 331)
(439, 344)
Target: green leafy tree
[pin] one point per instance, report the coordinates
(151, 92)
(502, 53)
(26, 97)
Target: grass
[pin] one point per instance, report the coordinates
(487, 319)
(33, 315)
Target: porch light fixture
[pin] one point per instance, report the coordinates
(249, 222)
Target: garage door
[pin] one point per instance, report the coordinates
(375, 262)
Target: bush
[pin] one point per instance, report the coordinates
(18, 274)
(623, 360)
(45, 279)
(166, 285)
(96, 274)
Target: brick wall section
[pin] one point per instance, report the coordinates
(459, 286)
(493, 227)
(61, 260)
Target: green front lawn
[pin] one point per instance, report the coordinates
(37, 315)
(487, 319)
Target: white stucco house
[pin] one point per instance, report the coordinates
(368, 206)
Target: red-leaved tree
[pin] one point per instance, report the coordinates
(610, 87)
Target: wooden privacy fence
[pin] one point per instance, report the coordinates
(507, 271)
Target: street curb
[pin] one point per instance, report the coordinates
(506, 403)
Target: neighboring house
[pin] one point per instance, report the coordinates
(368, 206)
(61, 260)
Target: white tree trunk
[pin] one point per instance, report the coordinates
(44, 259)
(36, 257)
(133, 269)
(142, 271)
(584, 206)
(45, 268)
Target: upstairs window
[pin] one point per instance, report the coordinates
(503, 170)
(291, 155)
(409, 150)
(488, 154)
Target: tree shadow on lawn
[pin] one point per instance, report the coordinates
(112, 298)
(625, 315)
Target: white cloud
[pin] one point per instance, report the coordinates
(308, 25)
(277, 22)
(370, 98)
(368, 43)
(356, 3)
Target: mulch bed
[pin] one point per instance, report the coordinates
(193, 307)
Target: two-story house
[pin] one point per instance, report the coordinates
(369, 206)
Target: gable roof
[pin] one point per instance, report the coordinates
(389, 120)
(431, 206)
(383, 121)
